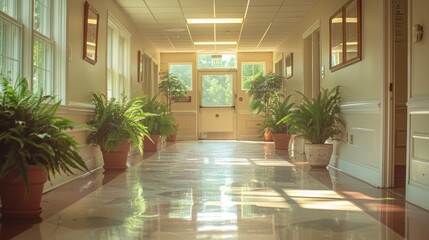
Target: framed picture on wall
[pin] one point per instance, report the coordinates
(139, 66)
(345, 39)
(289, 65)
(90, 36)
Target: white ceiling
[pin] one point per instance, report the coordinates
(265, 24)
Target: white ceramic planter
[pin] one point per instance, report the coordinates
(318, 155)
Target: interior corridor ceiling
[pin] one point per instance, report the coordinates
(265, 23)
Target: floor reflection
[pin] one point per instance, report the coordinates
(218, 190)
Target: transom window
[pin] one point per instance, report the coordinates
(210, 61)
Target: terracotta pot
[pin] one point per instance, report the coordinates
(281, 141)
(150, 146)
(116, 159)
(14, 202)
(318, 155)
(268, 136)
(172, 137)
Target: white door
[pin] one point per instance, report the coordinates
(417, 185)
(217, 115)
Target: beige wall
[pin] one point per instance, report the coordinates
(361, 85)
(84, 78)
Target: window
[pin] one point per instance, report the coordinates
(26, 28)
(10, 48)
(249, 71)
(9, 7)
(42, 48)
(217, 61)
(183, 71)
(118, 55)
(217, 90)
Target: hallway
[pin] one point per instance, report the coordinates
(220, 190)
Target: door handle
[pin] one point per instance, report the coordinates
(217, 115)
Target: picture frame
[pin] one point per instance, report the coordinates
(289, 65)
(345, 38)
(139, 66)
(90, 36)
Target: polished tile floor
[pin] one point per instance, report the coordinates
(221, 190)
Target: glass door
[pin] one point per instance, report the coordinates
(217, 118)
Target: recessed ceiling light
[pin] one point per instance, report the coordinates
(213, 20)
(215, 43)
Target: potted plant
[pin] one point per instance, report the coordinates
(264, 89)
(34, 147)
(158, 123)
(173, 90)
(278, 110)
(116, 125)
(317, 120)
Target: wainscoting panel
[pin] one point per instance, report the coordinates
(248, 128)
(418, 153)
(80, 114)
(359, 154)
(187, 121)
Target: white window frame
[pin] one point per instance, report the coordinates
(192, 71)
(117, 83)
(18, 48)
(24, 19)
(251, 63)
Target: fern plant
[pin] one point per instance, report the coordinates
(117, 121)
(157, 121)
(31, 133)
(279, 109)
(317, 119)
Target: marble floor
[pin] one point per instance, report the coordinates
(221, 190)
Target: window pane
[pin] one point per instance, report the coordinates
(10, 49)
(42, 17)
(249, 72)
(217, 61)
(8, 7)
(217, 90)
(184, 73)
(42, 66)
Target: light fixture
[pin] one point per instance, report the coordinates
(213, 20)
(215, 43)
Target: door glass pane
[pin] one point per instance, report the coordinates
(217, 90)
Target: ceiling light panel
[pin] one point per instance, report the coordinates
(213, 20)
(216, 43)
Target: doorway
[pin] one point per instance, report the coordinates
(217, 114)
(397, 92)
(312, 61)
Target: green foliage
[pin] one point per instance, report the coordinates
(117, 121)
(183, 73)
(31, 134)
(217, 90)
(249, 72)
(319, 118)
(263, 90)
(172, 88)
(278, 110)
(156, 120)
